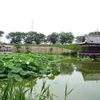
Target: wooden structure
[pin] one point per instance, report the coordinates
(91, 46)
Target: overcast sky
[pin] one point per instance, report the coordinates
(76, 16)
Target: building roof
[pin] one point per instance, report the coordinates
(92, 39)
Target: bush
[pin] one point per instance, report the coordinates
(73, 53)
(65, 53)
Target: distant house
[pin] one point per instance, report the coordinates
(6, 48)
(91, 46)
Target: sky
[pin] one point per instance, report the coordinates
(77, 16)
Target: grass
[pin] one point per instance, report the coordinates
(12, 90)
(73, 47)
(67, 92)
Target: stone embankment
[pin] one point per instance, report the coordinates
(41, 49)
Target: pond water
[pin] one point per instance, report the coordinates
(83, 79)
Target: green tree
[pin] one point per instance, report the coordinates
(53, 38)
(94, 33)
(33, 37)
(15, 37)
(18, 47)
(80, 39)
(29, 37)
(66, 37)
(1, 34)
(39, 37)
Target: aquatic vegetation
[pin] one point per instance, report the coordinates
(20, 73)
(67, 92)
(20, 66)
(12, 90)
(24, 90)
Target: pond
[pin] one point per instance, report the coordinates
(81, 81)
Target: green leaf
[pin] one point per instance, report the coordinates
(9, 64)
(16, 70)
(17, 78)
(2, 69)
(14, 76)
(3, 75)
(27, 73)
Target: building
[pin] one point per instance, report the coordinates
(6, 48)
(91, 46)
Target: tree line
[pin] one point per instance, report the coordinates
(39, 38)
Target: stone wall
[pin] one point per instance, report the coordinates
(41, 49)
(37, 49)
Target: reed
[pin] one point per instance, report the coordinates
(67, 92)
(20, 90)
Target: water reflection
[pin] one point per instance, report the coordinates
(90, 71)
(84, 78)
(66, 68)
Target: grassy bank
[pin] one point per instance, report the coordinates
(73, 47)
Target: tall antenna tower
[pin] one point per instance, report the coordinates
(32, 26)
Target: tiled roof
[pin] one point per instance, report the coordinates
(95, 39)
